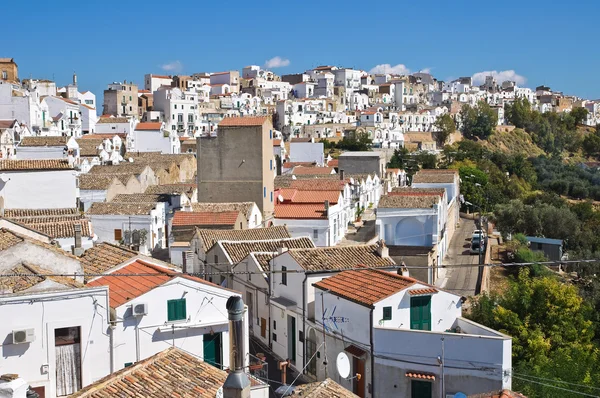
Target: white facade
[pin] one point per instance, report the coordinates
(154, 82)
(39, 361)
(24, 106)
(39, 189)
(307, 152)
(156, 139)
(154, 223)
(66, 113)
(180, 110)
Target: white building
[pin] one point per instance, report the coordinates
(48, 147)
(58, 337)
(302, 150)
(154, 82)
(11, 133)
(179, 108)
(115, 222)
(365, 313)
(66, 113)
(37, 184)
(167, 309)
(25, 106)
(155, 137)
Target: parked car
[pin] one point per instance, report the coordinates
(477, 246)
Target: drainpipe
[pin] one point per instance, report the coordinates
(372, 353)
(304, 321)
(137, 341)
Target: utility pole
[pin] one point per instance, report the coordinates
(443, 384)
(324, 341)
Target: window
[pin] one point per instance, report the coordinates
(387, 313)
(539, 246)
(274, 336)
(130, 109)
(128, 364)
(420, 313)
(271, 134)
(301, 336)
(264, 192)
(284, 276)
(420, 389)
(89, 102)
(271, 164)
(271, 196)
(118, 234)
(4, 75)
(274, 325)
(130, 98)
(175, 106)
(315, 234)
(176, 310)
(216, 259)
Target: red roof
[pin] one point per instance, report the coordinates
(420, 376)
(125, 288)
(103, 136)
(148, 126)
(243, 121)
(300, 211)
(312, 170)
(315, 184)
(305, 196)
(205, 218)
(366, 286)
(276, 142)
(161, 77)
(333, 163)
(6, 124)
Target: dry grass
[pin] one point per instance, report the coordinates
(515, 141)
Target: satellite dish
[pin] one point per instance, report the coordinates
(130, 160)
(293, 177)
(280, 198)
(342, 363)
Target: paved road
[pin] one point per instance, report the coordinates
(461, 280)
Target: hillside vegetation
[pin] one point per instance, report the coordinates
(517, 141)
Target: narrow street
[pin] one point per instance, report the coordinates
(461, 280)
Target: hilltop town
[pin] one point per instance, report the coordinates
(328, 233)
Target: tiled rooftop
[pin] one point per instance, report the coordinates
(301, 170)
(209, 237)
(305, 196)
(439, 178)
(103, 120)
(126, 209)
(171, 189)
(121, 168)
(408, 202)
(31, 275)
(291, 165)
(96, 182)
(322, 389)
(148, 126)
(123, 289)
(139, 198)
(366, 286)
(237, 251)
(170, 373)
(410, 191)
(439, 171)
(243, 121)
(302, 211)
(340, 257)
(44, 141)
(9, 239)
(63, 229)
(244, 207)
(103, 257)
(227, 218)
(89, 147)
(34, 164)
(18, 213)
(7, 123)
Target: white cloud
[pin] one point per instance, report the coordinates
(276, 62)
(399, 69)
(174, 66)
(479, 78)
(426, 70)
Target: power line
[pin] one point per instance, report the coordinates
(556, 387)
(557, 381)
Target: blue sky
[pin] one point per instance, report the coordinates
(551, 43)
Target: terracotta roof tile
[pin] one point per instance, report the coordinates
(89, 147)
(9, 239)
(107, 119)
(170, 373)
(209, 237)
(322, 389)
(123, 289)
(148, 126)
(96, 182)
(104, 256)
(291, 195)
(420, 376)
(366, 286)
(102, 136)
(291, 165)
(121, 168)
(312, 170)
(296, 140)
(243, 121)
(333, 163)
(339, 257)
(127, 209)
(244, 207)
(31, 276)
(439, 178)
(408, 202)
(300, 211)
(172, 189)
(6, 124)
(62, 229)
(418, 292)
(44, 141)
(227, 218)
(237, 251)
(276, 142)
(439, 171)
(411, 191)
(139, 198)
(35, 164)
(19, 213)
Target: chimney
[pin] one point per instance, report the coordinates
(237, 384)
(403, 270)
(76, 248)
(327, 208)
(342, 174)
(382, 249)
(12, 386)
(281, 250)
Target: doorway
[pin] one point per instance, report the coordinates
(250, 303)
(291, 328)
(358, 365)
(213, 350)
(67, 346)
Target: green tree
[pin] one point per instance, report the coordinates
(479, 121)
(591, 144)
(579, 115)
(445, 127)
(518, 113)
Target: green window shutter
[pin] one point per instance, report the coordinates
(176, 310)
(420, 313)
(387, 313)
(128, 364)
